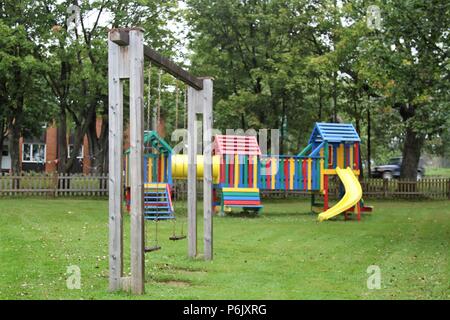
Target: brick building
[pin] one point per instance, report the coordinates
(40, 154)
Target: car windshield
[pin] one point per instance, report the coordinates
(395, 161)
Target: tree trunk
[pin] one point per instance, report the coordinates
(78, 142)
(3, 123)
(15, 130)
(98, 146)
(283, 124)
(2, 139)
(357, 117)
(81, 130)
(14, 137)
(15, 126)
(320, 99)
(411, 154)
(369, 141)
(335, 119)
(62, 140)
(412, 146)
(14, 151)
(243, 121)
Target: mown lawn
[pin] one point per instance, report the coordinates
(438, 172)
(283, 254)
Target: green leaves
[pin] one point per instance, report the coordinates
(255, 51)
(20, 79)
(303, 61)
(278, 64)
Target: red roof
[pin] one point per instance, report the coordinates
(242, 145)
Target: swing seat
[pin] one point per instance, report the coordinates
(151, 249)
(175, 237)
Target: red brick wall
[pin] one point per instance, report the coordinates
(161, 129)
(126, 138)
(51, 141)
(86, 158)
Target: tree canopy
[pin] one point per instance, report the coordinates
(284, 64)
(277, 64)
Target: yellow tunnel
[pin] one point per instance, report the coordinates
(180, 167)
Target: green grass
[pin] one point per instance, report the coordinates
(438, 172)
(283, 254)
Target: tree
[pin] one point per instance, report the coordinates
(283, 64)
(258, 53)
(20, 88)
(407, 63)
(77, 65)
(3, 119)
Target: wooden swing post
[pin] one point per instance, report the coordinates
(126, 54)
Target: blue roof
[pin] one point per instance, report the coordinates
(334, 132)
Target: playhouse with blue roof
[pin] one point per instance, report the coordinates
(337, 143)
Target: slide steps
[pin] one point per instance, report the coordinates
(158, 202)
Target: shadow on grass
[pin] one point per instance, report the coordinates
(350, 218)
(181, 269)
(243, 214)
(267, 214)
(290, 214)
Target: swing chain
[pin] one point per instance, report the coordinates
(185, 107)
(149, 96)
(176, 104)
(158, 110)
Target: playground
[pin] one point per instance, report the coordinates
(233, 168)
(227, 150)
(283, 254)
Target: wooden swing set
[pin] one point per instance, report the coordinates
(126, 54)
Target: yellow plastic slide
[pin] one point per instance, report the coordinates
(353, 194)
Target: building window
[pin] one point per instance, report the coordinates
(33, 152)
(5, 152)
(70, 149)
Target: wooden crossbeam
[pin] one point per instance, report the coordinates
(121, 37)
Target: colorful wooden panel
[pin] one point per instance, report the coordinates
(241, 197)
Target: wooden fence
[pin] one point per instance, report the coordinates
(429, 188)
(53, 185)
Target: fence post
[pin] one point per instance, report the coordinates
(448, 188)
(385, 188)
(55, 183)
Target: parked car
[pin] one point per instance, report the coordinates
(392, 169)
